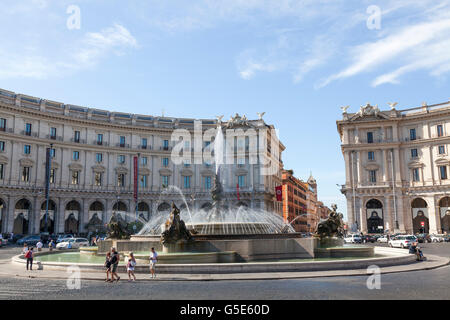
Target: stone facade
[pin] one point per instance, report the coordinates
(92, 168)
(396, 165)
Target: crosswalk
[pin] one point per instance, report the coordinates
(12, 289)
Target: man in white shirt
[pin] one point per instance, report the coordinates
(153, 260)
(39, 245)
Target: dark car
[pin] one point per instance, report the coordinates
(423, 238)
(16, 237)
(29, 240)
(369, 238)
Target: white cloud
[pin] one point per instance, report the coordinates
(28, 62)
(408, 44)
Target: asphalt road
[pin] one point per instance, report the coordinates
(427, 284)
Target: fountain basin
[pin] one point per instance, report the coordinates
(231, 228)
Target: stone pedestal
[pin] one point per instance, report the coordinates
(330, 242)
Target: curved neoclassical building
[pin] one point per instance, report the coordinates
(397, 168)
(92, 170)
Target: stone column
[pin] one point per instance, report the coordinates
(59, 224)
(433, 215)
(362, 217)
(84, 215)
(10, 214)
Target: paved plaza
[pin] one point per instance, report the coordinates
(423, 284)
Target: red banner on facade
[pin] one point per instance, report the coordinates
(135, 162)
(279, 193)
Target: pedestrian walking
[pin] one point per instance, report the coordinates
(130, 267)
(108, 266)
(115, 258)
(29, 256)
(153, 260)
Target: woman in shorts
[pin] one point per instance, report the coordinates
(153, 260)
(130, 267)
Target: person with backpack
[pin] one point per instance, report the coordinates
(29, 256)
(115, 258)
(130, 267)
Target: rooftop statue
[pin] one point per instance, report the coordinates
(333, 226)
(175, 228)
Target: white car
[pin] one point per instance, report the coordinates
(402, 241)
(74, 243)
(353, 238)
(436, 237)
(383, 239)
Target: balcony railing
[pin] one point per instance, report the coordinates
(51, 137)
(164, 148)
(29, 133)
(78, 140)
(122, 145)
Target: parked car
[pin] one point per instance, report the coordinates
(353, 238)
(30, 240)
(383, 239)
(423, 238)
(75, 243)
(64, 237)
(369, 238)
(437, 238)
(402, 241)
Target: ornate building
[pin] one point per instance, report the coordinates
(396, 165)
(300, 205)
(92, 170)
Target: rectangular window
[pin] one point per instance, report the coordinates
(165, 162)
(1, 171)
(75, 177)
(371, 155)
(441, 149)
(100, 139)
(144, 161)
(76, 155)
(443, 172)
(52, 152)
(2, 124)
(241, 181)
(98, 179)
(26, 174)
(186, 182)
(416, 176)
(369, 137)
(372, 176)
(440, 130)
(144, 181)
(26, 149)
(28, 129)
(2, 145)
(412, 134)
(207, 182)
(121, 180)
(121, 159)
(414, 153)
(166, 144)
(144, 143)
(53, 133)
(122, 141)
(76, 137)
(99, 157)
(165, 181)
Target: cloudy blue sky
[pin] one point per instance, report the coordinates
(298, 61)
